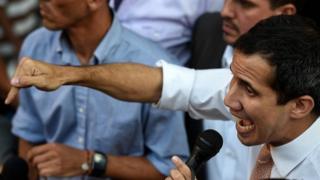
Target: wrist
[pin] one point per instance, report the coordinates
(71, 76)
(86, 165)
(77, 75)
(99, 162)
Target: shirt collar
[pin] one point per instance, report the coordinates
(58, 42)
(288, 156)
(227, 57)
(110, 42)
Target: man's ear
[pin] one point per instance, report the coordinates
(287, 9)
(301, 107)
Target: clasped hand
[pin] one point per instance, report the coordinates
(57, 160)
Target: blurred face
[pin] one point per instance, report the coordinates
(61, 14)
(240, 15)
(252, 102)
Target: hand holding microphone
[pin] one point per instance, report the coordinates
(207, 145)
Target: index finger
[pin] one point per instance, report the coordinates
(182, 167)
(13, 93)
(37, 150)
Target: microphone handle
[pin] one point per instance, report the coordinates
(193, 163)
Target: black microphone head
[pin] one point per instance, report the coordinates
(15, 168)
(209, 143)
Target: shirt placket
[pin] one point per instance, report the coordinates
(81, 97)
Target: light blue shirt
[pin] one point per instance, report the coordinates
(168, 22)
(88, 119)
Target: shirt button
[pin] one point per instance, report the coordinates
(81, 110)
(229, 153)
(80, 140)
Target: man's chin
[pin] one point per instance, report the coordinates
(51, 26)
(229, 39)
(247, 141)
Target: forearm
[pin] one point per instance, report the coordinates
(130, 82)
(128, 167)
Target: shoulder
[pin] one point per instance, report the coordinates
(39, 41)
(208, 22)
(40, 35)
(145, 48)
(314, 157)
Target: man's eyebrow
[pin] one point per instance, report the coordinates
(244, 82)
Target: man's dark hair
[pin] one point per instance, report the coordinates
(291, 45)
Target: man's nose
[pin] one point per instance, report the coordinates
(232, 98)
(227, 10)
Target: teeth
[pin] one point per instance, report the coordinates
(247, 128)
(245, 125)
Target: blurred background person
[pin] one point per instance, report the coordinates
(76, 132)
(167, 22)
(17, 19)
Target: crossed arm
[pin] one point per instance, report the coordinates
(60, 160)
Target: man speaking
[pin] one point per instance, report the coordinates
(273, 94)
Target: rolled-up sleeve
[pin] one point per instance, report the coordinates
(207, 95)
(199, 92)
(177, 86)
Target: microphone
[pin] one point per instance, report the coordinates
(207, 145)
(15, 168)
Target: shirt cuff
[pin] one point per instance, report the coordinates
(177, 86)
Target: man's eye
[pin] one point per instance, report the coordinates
(250, 91)
(247, 88)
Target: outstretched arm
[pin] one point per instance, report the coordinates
(130, 82)
(179, 88)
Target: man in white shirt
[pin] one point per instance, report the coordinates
(166, 22)
(273, 93)
(274, 97)
(213, 37)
